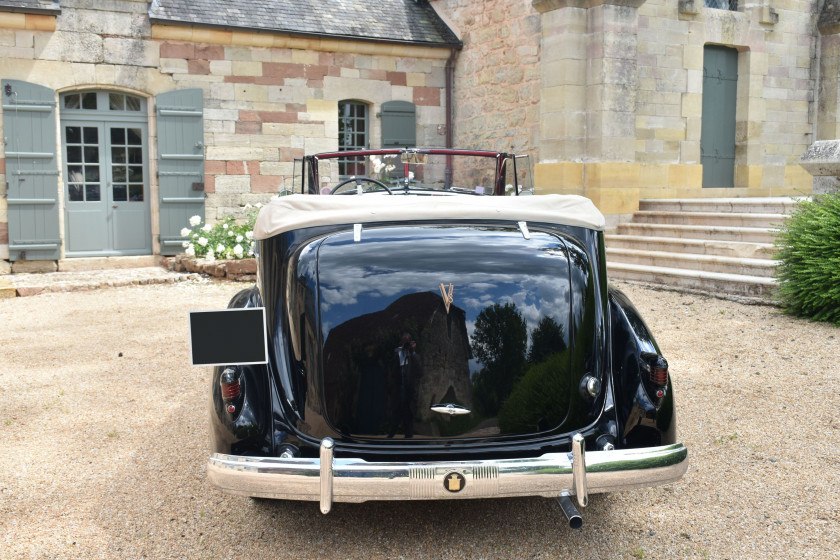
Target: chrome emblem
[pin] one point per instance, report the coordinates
(450, 409)
(454, 482)
(447, 297)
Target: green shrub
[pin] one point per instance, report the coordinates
(809, 251)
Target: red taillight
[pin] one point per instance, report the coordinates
(230, 390)
(229, 383)
(657, 368)
(659, 372)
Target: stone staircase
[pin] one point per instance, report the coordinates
(719, 246)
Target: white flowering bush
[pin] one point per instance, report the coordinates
(226, 240)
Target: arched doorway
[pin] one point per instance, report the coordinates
(104, 141)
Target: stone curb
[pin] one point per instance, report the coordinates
(26, 291)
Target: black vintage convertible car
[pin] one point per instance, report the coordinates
(435, 331)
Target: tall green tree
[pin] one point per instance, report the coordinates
(499, 343)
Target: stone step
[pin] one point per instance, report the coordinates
(84, 264)
(768, 205)
(718, 233)
(729, 219)
(741, 249)
(711, 282)
(708, 263)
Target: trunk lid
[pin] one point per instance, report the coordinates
(439, 332)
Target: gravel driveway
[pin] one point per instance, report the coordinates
(104, 439)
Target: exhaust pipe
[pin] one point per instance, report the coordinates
(571, 512)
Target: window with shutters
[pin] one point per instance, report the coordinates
(353, 127)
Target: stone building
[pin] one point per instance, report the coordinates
(615, 104)
(201, 106)
(122, 119)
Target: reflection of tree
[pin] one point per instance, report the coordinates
(499, 343)
(546, 339)
(540, 400)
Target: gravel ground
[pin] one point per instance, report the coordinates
(104, 439)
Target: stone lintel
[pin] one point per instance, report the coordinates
(544, 6)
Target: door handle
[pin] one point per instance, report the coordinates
(114, 206)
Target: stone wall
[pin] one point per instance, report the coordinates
(776, 85)
(267, 98)
(266, 106)
(497, 74)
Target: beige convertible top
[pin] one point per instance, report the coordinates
(297, 211)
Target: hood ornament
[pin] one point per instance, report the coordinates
(447, 297)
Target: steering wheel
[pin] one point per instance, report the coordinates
(359, 180)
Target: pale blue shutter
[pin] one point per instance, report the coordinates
(180, 131)
(399, 128)
(31, 171)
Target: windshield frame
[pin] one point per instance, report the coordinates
(310, 179)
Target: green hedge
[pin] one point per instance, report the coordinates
(809, 251)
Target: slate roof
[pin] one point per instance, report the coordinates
(391, 21)
(30, 6)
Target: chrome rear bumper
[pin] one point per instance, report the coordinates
(330, 479)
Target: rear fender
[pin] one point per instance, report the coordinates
(644, 419)
(244, 430)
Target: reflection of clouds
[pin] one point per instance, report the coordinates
(485, 266)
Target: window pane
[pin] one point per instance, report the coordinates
(116, 101)
(134, 136)
(119, 173)
(72, 102)
(89, 100)
(135, 155)
(75, 193)
(120, 193)
(360, 125)
(74, 154)
(91, 154)
(118, 155)
(92, 173)
(135, 193)
(91, 135)
(132, 103)
(74, 174)
(73, 134)
(135, 173)
(117, 136)
(92, 192)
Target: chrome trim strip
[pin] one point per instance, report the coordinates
(326, 468)
(354, 480)
(579, 469)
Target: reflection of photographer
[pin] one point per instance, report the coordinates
(409, 371)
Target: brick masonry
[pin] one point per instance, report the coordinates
(267, 99)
